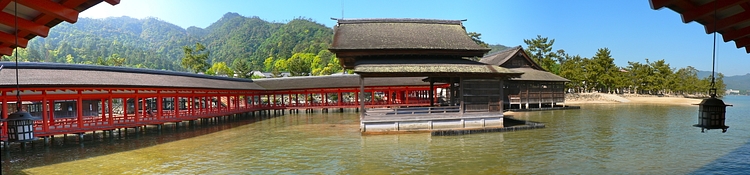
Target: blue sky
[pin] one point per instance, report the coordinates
(629, 28)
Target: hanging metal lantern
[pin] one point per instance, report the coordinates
(711, 114)
(21, 127)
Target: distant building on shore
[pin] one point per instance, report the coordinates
(732, 92)
(536, 88)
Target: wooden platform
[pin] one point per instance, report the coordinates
(393, 121)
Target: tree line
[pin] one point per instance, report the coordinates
(600, 74)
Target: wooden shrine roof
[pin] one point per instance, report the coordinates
(335, 81)
(369, 37)
(36, 17)
(73, 75)
(437, 67)
(732, 18)
(530, 74)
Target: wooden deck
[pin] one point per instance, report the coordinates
(423, 119)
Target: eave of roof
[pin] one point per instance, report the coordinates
(35, 18)
(335, 81)
(732, 18)
(430, 67)
(530, 74)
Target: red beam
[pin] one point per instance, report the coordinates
(6, 50)
(736, 34)
(657, 4)
(53, 9)
(113, 2)
(23, 24)
(8, 38)
(728, 22)
(708, 9)
(742, 42)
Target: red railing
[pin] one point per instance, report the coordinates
(80, 110)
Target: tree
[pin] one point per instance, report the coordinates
(640, 76)
(572, 69)
(477, 37)
(600, 70)
(115, 60)
(300, 64)
(195, 60)
(242, 67)
(687, 80)
(661, 75)
(220, 68)
(269, 64)
(540, 50)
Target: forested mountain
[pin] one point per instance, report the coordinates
(736, 82)
(741, 82)
(496, 47)
(156, 44)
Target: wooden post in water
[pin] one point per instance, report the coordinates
(361, 99)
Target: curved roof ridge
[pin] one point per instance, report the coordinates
(399, 20)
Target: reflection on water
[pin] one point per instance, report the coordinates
(601, 138)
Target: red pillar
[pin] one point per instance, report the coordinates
(5, 113)
(104, 112)
(45, 117)
(339, 100)
(176, 108)
(136, 107)
(111, 113)
(79, 109)
(125, 108)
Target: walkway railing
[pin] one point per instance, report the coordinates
(69, 110)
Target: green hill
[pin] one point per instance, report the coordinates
(741, 82)
(156, 44)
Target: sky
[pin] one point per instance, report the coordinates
(631, 30)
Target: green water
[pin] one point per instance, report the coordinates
(599, 138)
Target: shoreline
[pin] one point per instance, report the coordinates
(598, 98)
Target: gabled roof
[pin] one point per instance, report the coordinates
(501, 57)
(404, 36)
(36, 17)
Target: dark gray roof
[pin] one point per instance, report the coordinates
(430, 67)
(530, 74)
(500, 57)
(378, 34)
(72, 75)
(335, 81)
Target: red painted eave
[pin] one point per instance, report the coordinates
(731, 18)
(47, 14)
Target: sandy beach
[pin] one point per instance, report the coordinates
(592, 98)
(665, 100)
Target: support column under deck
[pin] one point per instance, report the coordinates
(361, 102)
